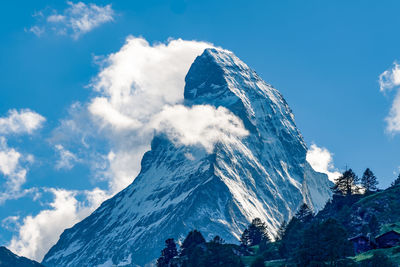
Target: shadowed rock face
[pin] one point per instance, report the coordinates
(181, 188)
(9, 259)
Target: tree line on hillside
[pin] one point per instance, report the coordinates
(349, 183)
(195, 251)
(306, 240)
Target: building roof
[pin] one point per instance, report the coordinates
(360, 236)
(392, 231)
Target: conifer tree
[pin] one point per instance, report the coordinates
(323, 242)
(369, 181)
(290, 238)
(255, 233)
(304, 214)
(397, 181)
(245, 238)
(193, 239)
(281, 230)
(346, 184)
(167, 253)
(218, 240)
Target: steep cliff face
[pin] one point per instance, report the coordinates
(181, 188)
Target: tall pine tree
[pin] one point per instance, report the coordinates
(255, 233)
(346, 184)
(192, 240)
(323, 243)
(167, 253)
(397, 181)
(304, 214)
(281, 231)
(290, 238)
(245, 238)
(369, 181)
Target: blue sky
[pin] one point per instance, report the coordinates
(325, 57)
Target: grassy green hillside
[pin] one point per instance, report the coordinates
(389, 227)
(356, 211)
(391, 253)
(384, 204)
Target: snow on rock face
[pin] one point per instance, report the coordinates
(181, 188)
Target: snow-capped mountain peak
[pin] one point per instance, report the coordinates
(263, 173)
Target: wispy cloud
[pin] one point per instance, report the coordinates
(66, 160)
(20, 122)
(202, 125)
(36, 234)
(322, 161)
(13, 168)
(389, 81)
(77, 19)
(390, 78)
(14, 164)
(11, 223)
(36, 30)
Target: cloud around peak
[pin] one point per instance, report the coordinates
(133, 86)
(137, 92)
(140, 78)
(202, 125)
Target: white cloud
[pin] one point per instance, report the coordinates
(321, 160)
(199, 125)
(9, 159)
(393, 120)
(19, 122)
(13, 169)
(140, 79)
(390, 80)
(14, 164)
(103, 109)
(38, 233)
(76, 20)
(66, 160)
(36, 30)
(56, 18)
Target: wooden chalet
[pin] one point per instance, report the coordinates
(388, 239)
(361, 243)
